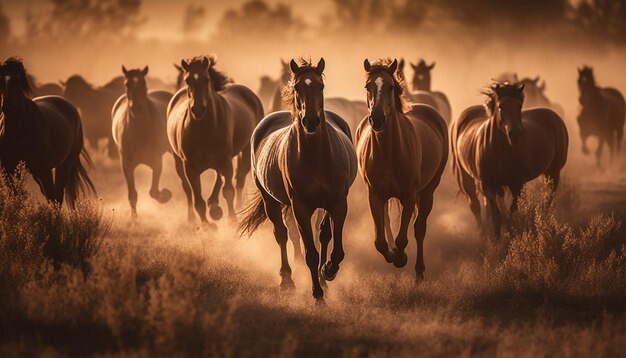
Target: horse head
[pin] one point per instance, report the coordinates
(305, 94)
(421, 75)
(586, 78)
(506, 101)
(135, 83)
(384, 91)
(14, 83)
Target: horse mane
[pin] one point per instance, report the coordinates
(507, 89)
(219, 79)
(15, 64)
(78, 81)
(287, 93)
(399, 85)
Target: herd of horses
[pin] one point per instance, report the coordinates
(304, 155)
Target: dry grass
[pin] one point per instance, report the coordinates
(548, 289)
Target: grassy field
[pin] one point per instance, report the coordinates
(96, 283)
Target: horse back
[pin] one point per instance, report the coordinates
(60, 129)
(552, 124)
(246, 110)
(431, 140)
(470, 119)
(614, 102)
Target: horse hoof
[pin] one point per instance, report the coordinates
(320, 302)
(400, 259)
(326, 272)
(419, 278)
(287, 285)
(215, 212)
(164, 196)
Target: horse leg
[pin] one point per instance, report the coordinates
(112, 148)
(229, 191)
(196, 187)
(611, 144)
(61, 178)
(388, 231)
(408, 207)
(294, 236)
(129, 173)
(469, 189)
(585, 149)
(303, 219)
(377, 207)
(274, 213)
(516, 190)
(599, 151)
(243, 168)
(424, 208)
(325, 236)
(162, 196)
(214, 200)
(330, 269)
(186, 188)
(44, 179)
(494, 212)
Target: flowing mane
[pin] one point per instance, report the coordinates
(506, 90)
(382, 65)
(219, 79)
(14, 65)
(288, 93)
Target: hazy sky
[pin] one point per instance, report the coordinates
(164, 17)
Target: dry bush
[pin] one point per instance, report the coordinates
(543, 255)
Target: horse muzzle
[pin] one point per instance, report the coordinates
(311, 123)
(377, 122)
(198, 111)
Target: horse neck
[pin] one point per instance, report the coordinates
(493, 137)
(17, 121)
(315, 145)
(386, 140)
(213, 106)
(138, 108)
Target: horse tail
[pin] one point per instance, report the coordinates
(253, 216)
(79, 181)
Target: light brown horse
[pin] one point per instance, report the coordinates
(402, 153)
(421, 89)
(602, 112)
(45, 133)
(303, 159)
(139, 122)
(499, 146)
(209, 121)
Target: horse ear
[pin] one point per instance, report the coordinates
(520, 87)
(282, 62)
(432, 65)
(320, 66)
(145, 71)
(497, 89)
(184, 65)
(180, 69)
(205, 62)
(414, 66)
(393, 67)
(542, 87)
(366, 65)
(124, 71)
(62, 83)
(401, 65)
(536, 80)
(293, 66)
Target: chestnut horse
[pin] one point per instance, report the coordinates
(601, 114)
(499, 146)
(303, 159)
(421, 89)
(209, 121)
(139, 122)
(402, 153)
(95, 105)
(45, 133)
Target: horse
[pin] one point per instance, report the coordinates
(210, 121)
(303, 159)
(45, 133)
(402, 151)
(421, 88)
(534, 95)
(601, 114)
(95, 105)
(500, 145)
(46, 89)
(353, 111)
(139, 122)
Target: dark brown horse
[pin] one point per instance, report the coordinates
(44, 133)
(402, 153)
(95, 105)
(500, 146)
(139, 130)
(303, 159)
(421, 89)
(209, 121)
(601, 114)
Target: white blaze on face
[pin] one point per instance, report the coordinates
(379, 87)
(196, 76)
(6, 80)
(135, 79)
(307, 81)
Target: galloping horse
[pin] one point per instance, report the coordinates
(303, 159)
(402, 153)
(139, 130)
(601, 114)
(500, 145)
(95, 106)
(422, 92)
(208, 123)
(45, 133)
